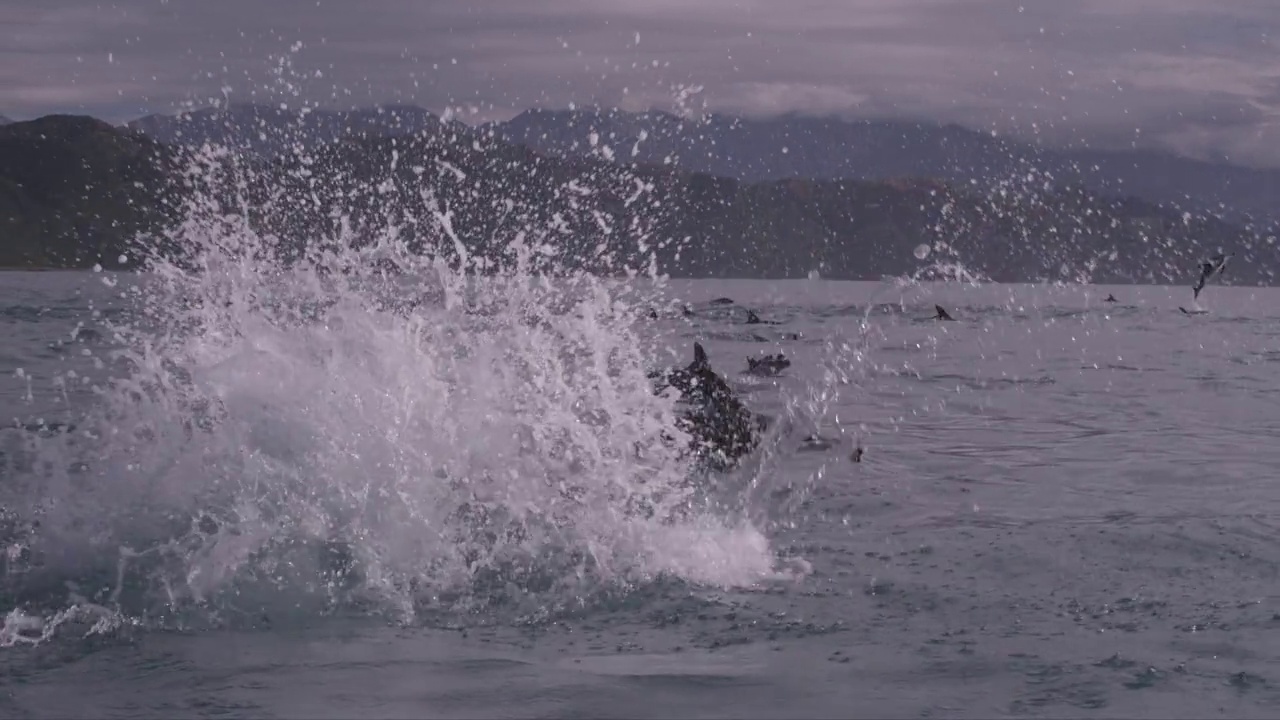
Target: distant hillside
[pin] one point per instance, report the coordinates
(756, 150)
(74, 189)
(267, 131)
(721, 227)
(4, 120)
(79, 190)
(823, 148)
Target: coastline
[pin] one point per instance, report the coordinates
(667, 277)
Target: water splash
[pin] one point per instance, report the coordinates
(376, 419)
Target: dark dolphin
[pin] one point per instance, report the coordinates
(46, 428)
(815, 443)
(754, 319)
(768, 365)
(941, 314)
(1213, 266)
(721, 427)
(1110, 298)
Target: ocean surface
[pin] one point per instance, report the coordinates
(1065, 508)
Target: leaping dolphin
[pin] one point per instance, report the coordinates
(721, 427)
(1213, 266)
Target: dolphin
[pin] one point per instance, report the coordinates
(768, 365)
(754, 319)
(941, 314)
(1213, 266)
(721, 428)
(43, 427)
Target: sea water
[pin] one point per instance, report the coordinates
(1065, 507)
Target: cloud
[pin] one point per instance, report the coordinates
(1197, 76)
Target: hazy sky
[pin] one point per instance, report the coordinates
(1200, 75)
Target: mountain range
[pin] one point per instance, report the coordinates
(75, 191)
(759, 150)
(265, 131)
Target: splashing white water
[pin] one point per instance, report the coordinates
(294, 426)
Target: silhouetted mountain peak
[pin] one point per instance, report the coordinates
(72, 188)
(63, 125)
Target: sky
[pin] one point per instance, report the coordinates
(1196, 76)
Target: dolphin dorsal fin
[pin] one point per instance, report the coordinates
(699, 356)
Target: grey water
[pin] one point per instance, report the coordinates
(1066, 508)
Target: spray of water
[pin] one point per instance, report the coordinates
(383, 418)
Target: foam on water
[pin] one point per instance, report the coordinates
(283, 434)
